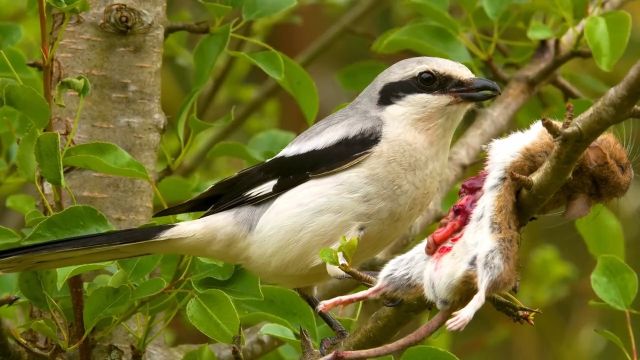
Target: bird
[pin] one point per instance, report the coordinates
(366, 171)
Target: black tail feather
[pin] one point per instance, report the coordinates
(19, 258)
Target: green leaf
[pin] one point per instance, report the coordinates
(66, 272)
(148, 288)
(602, 232)
(26, 156)
(242, 285)
(348, 247)
(202, 268)
(213, 313)
(424, 39)
(539, 30)
(197, 126)
(269, 61)
(255, 9)
(206, 53)
(280, 332)
(201, 353)
(205, 56)
(421, 352)
(64, 5)
(607, 36)
(46, 327)
(139, 267)
(35, 285)
(176, 189)
(8, 235)
(437, 13)
(48, 157)
(358, 76)
(280, 303)
(80, 84)
(8, 238)
(614, 282)
(301, 86)
(614, 339)
(236, 150)
(33, 218)
(10, 33)
(73, 221)
(329, 256)
(21, 203)
(268, 143)
(218, 11)
(105, 302)
(106, 158)
(495, 8)
(29, 102)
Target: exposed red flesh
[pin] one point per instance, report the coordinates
(452, 226)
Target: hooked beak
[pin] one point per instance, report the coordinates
(476, 89)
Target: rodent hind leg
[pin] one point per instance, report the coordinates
(462, 317)
(371, 293)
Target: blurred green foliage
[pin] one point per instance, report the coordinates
(210, 81)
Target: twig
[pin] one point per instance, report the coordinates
(77, 302)
(613, 107)
(569, 91)
(497, 71)
(44, 49)
(200, 27)
(270, 87)
(634, 350)
(8, 300)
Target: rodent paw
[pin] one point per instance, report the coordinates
(459, 320)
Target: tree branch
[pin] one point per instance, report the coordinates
(614, 106)
(569, 91)
(270, 87)
(201, 27)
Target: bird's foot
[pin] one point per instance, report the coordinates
(330, 343)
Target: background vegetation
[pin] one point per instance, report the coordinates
(279, 67)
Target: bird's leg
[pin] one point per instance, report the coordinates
(516, 311)
(335, 325)
(308, 352)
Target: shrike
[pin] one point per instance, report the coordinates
(368, 170)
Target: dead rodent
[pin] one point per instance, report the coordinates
(478, 256)
(603, 173)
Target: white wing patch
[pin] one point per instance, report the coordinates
(262, 189)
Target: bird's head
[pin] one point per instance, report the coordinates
(426, 89)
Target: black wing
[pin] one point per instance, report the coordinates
(277, 175)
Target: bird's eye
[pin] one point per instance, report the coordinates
(427, 78)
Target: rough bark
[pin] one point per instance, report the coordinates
(123, 107)
(119, 49)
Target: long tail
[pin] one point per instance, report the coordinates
(83, 249)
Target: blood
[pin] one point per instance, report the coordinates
(451, 227)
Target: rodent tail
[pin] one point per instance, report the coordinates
(76, 250)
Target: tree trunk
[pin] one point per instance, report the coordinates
(118, 47)
(121, 54)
